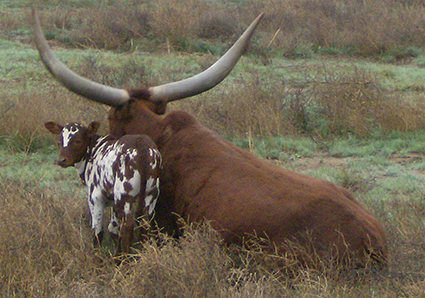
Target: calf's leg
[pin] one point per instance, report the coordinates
(127, 226)
(96, 206)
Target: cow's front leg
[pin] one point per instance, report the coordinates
(97, 205)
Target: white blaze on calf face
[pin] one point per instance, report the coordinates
(68, 133)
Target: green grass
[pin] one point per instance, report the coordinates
(385, 147)
(38, 169)
(19, 61)
(278, 147)
(15, 3)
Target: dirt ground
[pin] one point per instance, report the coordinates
(325, 160)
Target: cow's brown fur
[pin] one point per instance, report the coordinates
(207, 177)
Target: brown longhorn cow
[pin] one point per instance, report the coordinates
(208, 178)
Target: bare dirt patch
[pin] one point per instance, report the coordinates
(325, 160)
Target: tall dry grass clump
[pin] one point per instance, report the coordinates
(41, 240)
(344, 26)
(102, 27)
(177, 21)
(290, 28)
(9, 23)
(23, 115)
(401, 112)
(326, 104)
(122, 25)
(46, 251)
(248, 107)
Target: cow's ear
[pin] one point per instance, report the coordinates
(53, 127)
(93, 127)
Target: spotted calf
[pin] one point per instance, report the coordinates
(122, 173)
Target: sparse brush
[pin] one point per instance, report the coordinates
(304, 27)
(327, 102)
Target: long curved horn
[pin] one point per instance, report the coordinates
(209, 77)
(72, 81)
(167, 92)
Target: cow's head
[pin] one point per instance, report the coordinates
(74, 140)
(145, 103)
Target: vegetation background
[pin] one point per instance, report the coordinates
(330, 88)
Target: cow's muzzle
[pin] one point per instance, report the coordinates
(61, 161)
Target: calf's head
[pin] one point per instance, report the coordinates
(74, 140)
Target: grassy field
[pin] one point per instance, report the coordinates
(46, 246)
(322, 91)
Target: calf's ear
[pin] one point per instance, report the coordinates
(92, 128)
(53, 127)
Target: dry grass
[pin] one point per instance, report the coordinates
(327, 104)
(338, 103)
(289, 28)
(45, 251)
(23, 115)
(345, 25)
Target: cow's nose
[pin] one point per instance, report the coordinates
(61, 161)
